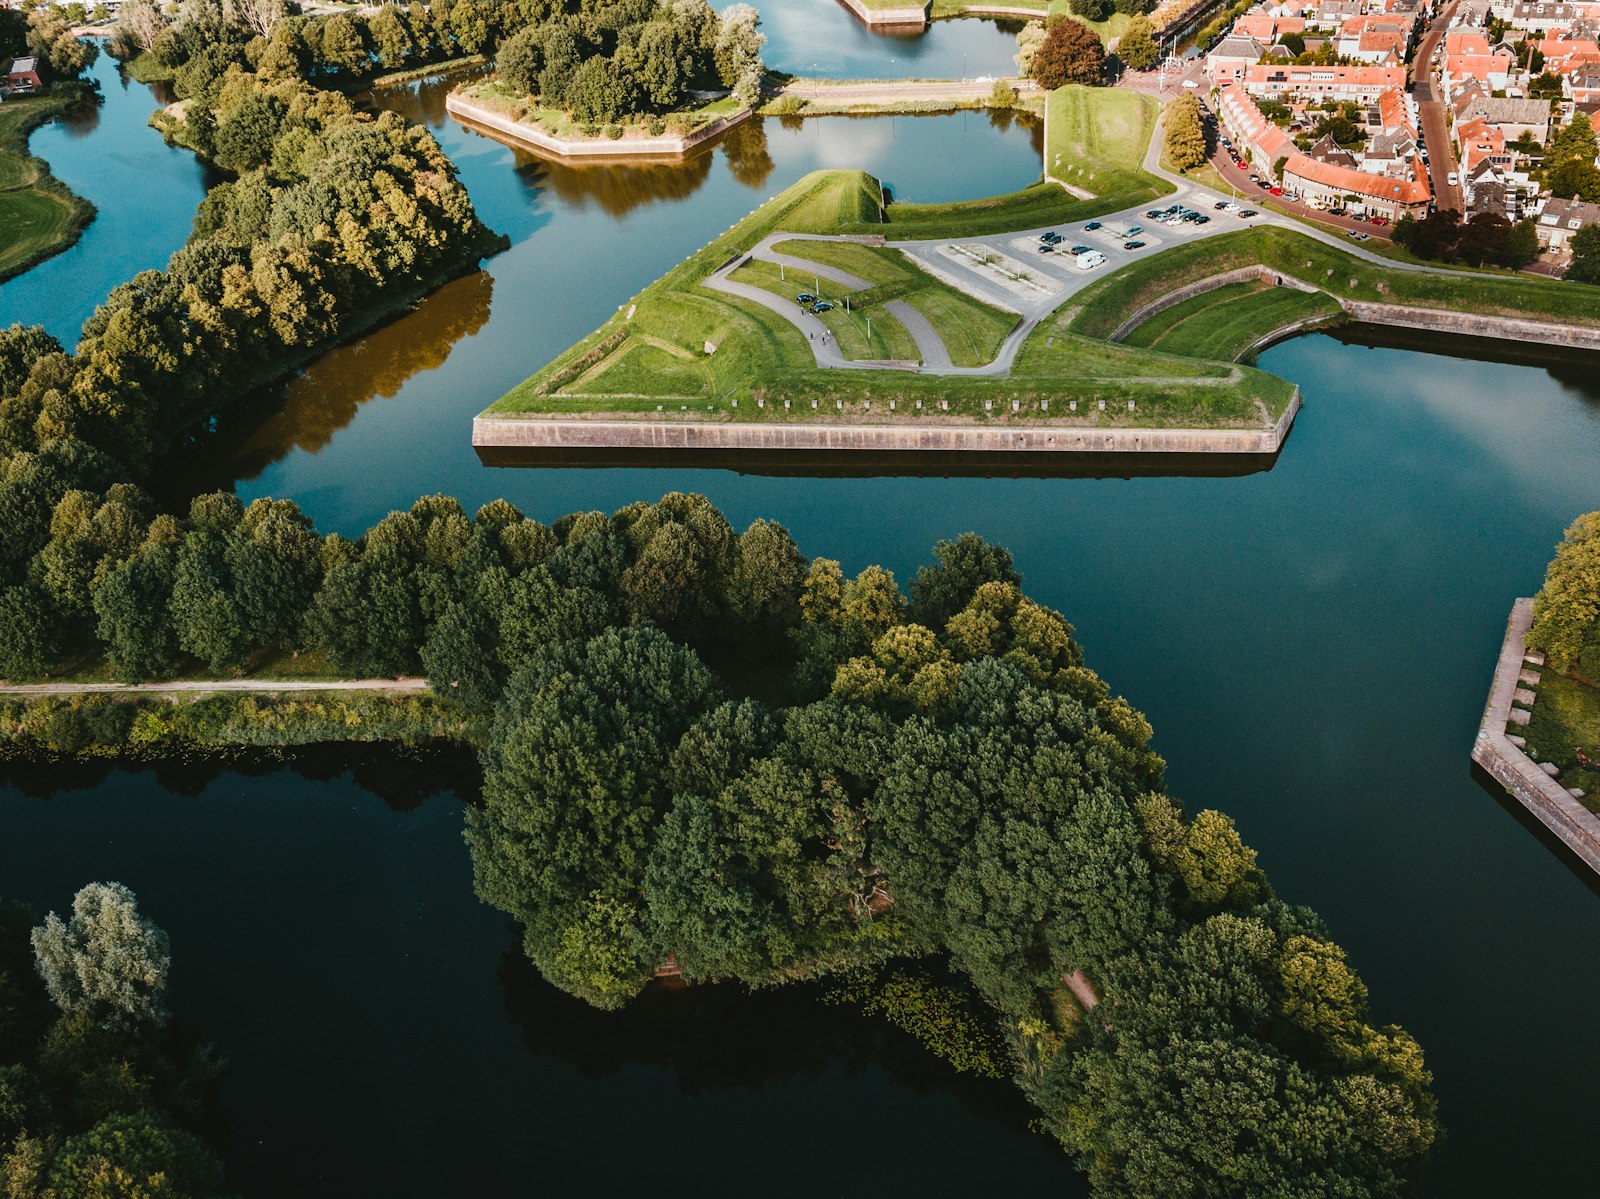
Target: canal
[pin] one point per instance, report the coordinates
(1312, 643)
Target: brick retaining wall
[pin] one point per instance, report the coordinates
(902, 16)
(1534, 332)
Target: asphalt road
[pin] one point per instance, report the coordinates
(1430, 110)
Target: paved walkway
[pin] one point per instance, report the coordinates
(929, 344)
(272, 686)
(1059, 273)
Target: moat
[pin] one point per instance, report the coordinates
(1310, 643)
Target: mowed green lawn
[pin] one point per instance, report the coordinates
(38, 216)
(32, 223)
(651, 356)
(1095, 139)
(1566, 719)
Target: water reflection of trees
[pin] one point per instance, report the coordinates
(745, 147)
(311, 408)
(403, 777)
(617, 188)
(719, 1036)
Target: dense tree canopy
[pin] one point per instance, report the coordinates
(1566, 612)
(1071, 53)
(97, 1098)
(1184, 136)
(935, 776)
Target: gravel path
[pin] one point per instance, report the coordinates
(186, 686)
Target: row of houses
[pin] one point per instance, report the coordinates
(1388, 178)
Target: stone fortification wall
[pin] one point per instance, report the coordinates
(1500, 751)
(539, 432)
(1534, 332)
(666, 146)
(901, 15)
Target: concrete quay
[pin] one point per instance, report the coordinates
(921, 434)
(1501, 753)
(487, 120)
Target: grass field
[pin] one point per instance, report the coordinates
(1224, 323)
(38, 216)
(653, 360)
(1566, 718)
(1095, 139)
(1098, 310)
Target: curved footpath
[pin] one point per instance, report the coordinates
(1064, 280)
(1500, 752)
(184, 686)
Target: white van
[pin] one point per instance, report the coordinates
(1087, 262)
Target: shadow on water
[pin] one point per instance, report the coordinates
(1531, 824)
(719, 1035)
(306, 412)
(404, 778)
(847, 464)
(1575, 369)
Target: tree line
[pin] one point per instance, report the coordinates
(598, 60)
(329, 216)
(1566, 612)
(602, 63)
(931, 774)
(99, 1095)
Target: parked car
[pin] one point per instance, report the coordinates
(1045, 247)
(1452, 179)
(1248, 212)
(1277, 191)
(1091, 226)
(1220, 205)
(1155, 214)
(1082, 250)
(1202, 219)
(822, 306)
(1133, 231)
(1229, 206)
(1380, 220)
(1052, 238)
(1133, 245)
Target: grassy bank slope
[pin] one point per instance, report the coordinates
(1095, 139)
(1223, 324)
(38, 215)
(1098, 310)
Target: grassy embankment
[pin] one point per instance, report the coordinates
(637, 364)
(1095, 140)
(1098, 310)
(38, 215)
(1225, 323)
(1566, 721)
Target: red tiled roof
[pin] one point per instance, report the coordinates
(1359, 183)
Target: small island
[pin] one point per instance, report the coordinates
(657, 86)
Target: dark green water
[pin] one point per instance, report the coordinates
(1313, 644)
